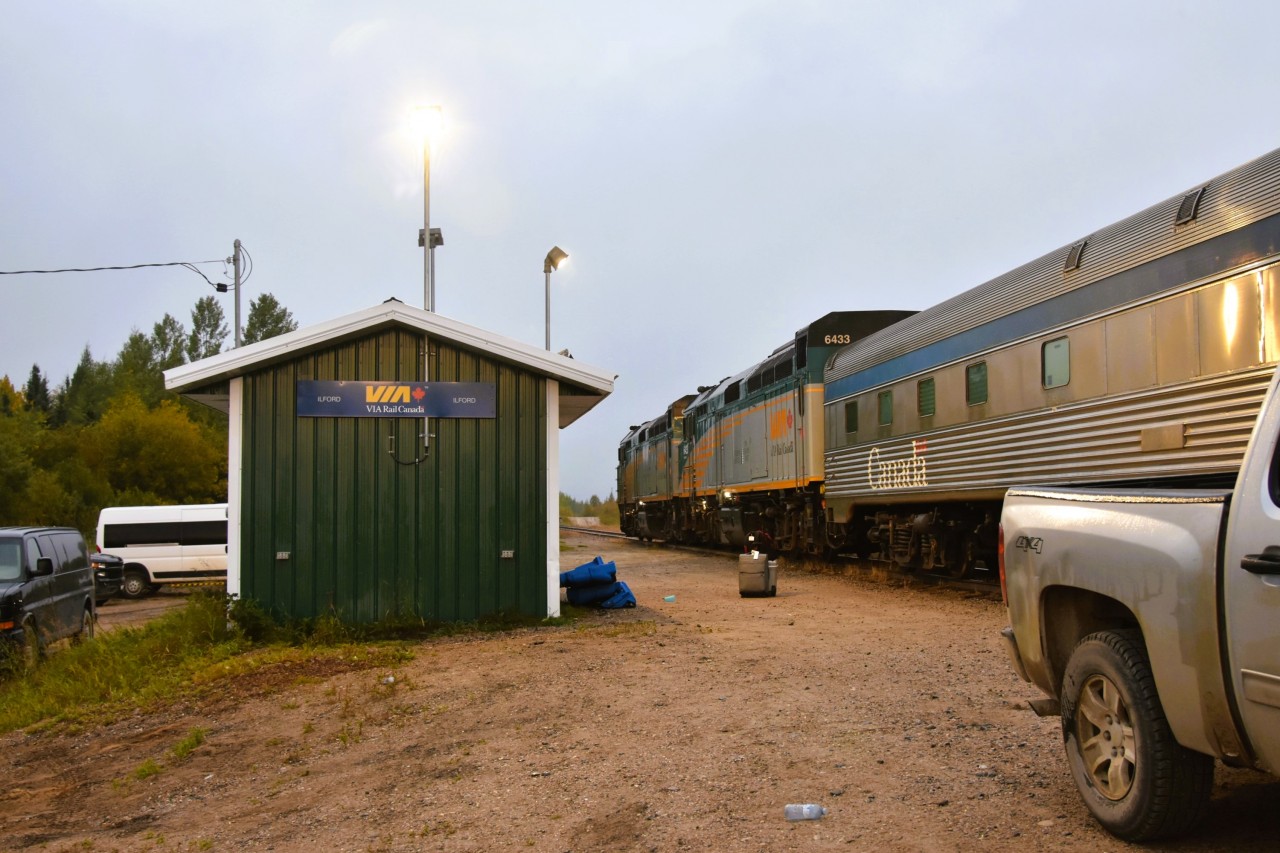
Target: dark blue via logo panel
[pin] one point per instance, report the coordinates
(327, 399)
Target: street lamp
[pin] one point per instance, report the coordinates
(555, 258)
(429, 121)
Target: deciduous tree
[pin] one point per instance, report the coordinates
(267, 318)
(208, 329)
(168, 340)
(157, 451)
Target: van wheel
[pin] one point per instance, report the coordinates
(86, 628)
(1137, 780)
(31, 650)
(135, 584)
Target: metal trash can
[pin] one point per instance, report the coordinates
(757, 575)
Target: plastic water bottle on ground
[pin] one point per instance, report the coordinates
(804, 811)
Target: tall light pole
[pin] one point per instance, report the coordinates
(235, 254)
(429, 121)
(555, 258)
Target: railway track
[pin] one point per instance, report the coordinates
(986, 581)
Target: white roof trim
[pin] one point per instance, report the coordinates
(237, 362)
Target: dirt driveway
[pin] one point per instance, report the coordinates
(677, 725)
(119, 612)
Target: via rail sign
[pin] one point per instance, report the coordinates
(323, 399)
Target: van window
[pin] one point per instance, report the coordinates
(125, 535)
(204, 532)
(33, 554)
(71, 552)
(10, 559)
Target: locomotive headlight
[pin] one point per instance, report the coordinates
(728, 495)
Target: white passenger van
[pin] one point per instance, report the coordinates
(165, 544)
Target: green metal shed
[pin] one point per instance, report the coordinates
(345, 498)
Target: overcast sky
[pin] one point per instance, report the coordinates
(721, 173)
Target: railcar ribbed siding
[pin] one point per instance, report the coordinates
(1094, 441)
(1245, 195)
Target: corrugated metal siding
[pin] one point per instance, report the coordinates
(1096, 441)
(369, 538)
(1244, 195)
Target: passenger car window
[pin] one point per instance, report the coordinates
(851, 416)
(926, 398)
(886, 408)
(1055, 363)
(975, 391)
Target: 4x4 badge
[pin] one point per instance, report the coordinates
(1029, 543)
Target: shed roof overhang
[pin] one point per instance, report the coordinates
(208, 380)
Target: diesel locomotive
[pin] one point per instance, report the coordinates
(1136, 355)
(744, 454)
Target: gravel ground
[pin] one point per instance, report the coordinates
(678, 725)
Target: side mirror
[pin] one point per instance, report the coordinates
(44, 566)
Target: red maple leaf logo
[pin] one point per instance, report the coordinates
(418, 393)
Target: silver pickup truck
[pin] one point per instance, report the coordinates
(1151, 620)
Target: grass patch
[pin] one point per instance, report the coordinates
(146, 770)
(189, 651)
(183, 748)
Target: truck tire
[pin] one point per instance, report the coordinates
(1138, 781)
(135, 584)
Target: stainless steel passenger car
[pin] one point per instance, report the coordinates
(1138, 354)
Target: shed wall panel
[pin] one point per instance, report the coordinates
(377, 526)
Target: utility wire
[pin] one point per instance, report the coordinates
(188, 264)
(249, 271)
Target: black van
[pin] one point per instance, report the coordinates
(46, 587)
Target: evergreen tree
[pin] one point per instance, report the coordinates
(208, 329)
(36, 391)
(83, 396)
(267, 318)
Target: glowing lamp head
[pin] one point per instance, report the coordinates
(428, 123)
(555, 259)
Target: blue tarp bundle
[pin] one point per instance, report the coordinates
(622, 597)
(595, 583)
(597, 571)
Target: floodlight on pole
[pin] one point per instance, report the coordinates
(428, 121)
(555, 258)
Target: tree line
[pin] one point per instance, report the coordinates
(606, 510)
(111, 435)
